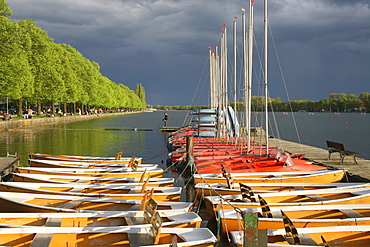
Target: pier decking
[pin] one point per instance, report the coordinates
(360, 171)
(8, 165)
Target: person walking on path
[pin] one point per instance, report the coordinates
(165, 119)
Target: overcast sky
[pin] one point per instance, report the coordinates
(322, 46)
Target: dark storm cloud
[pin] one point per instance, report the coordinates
(162, 44)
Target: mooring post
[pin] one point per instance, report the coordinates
(190, 150)
(253, 237)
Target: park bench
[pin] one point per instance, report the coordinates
(339, 147)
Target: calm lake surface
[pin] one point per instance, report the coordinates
(91, 138)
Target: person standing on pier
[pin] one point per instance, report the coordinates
(165, 119)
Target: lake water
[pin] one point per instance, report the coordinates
(351, 129)
(91, 138)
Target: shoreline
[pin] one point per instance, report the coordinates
(27, 123)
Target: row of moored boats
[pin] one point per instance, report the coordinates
(96, 201)
(119, 201)
(284, 196)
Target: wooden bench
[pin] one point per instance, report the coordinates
(339, 147)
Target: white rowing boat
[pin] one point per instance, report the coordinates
(335, 236)
(113, 159)
(301, 216)
(45, 178)
(31, 202)
(106, 236)
(92, 190)
(79, 164)
(98, 172)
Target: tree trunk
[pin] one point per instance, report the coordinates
(52, 107)
(74, 108)
(19, 111)
(39, 105)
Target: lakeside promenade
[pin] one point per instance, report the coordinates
(27, 123)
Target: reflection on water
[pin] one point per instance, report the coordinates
(91, 138)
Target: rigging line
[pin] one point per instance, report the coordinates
(218, 194)
(200, 79)
(174, 165)
(275, 123)
(181, 174)
(155, 156)
(285, 86)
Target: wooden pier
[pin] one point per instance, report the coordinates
(8, 165)
(169, 129)
(357, 172)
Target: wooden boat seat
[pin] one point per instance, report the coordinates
(317, 198)
(135, 207)
(42, 240)
(54, 222)
(76, 190)
(134, 191)
(140, 239)
(132, 221)
(305, 239)
(83, 181)
(150, 210)
(71, 204)
(351, 213)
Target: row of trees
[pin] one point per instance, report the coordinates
(35, 69)
(335, 103)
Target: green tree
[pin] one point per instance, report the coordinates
(44, 62)
(5, 11)
(364, 97)
(16, 80)
(140, 92)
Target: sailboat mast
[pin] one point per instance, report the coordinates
(245, 69)
(234, 68)
(265, 77)
(224, 56)
(249, 81)
(211, 77)
(217, 76)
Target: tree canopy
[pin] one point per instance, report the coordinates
(34, 68)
